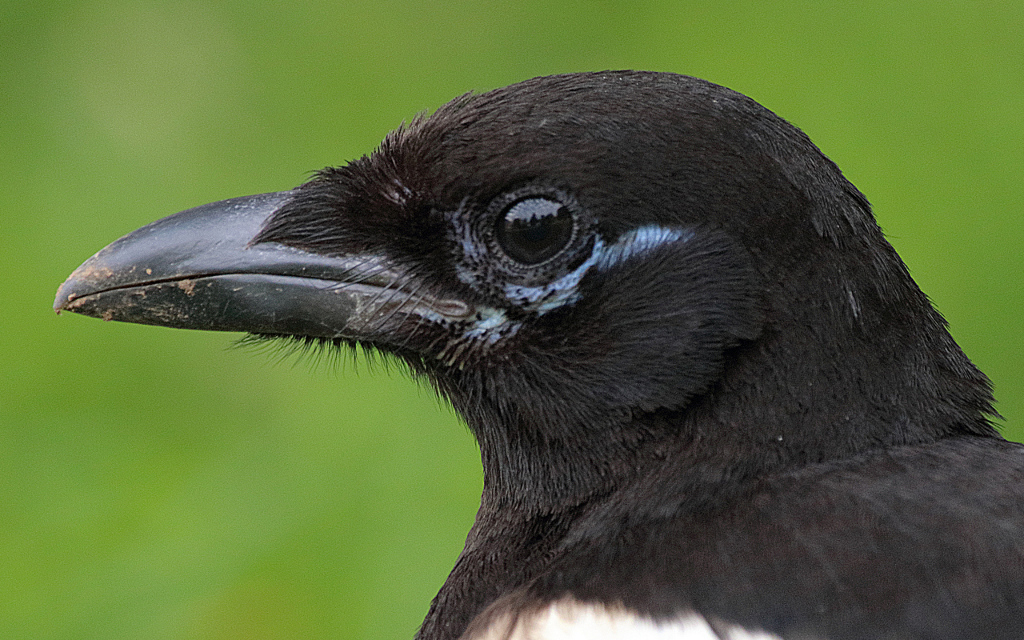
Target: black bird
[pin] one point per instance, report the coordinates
(709, 397)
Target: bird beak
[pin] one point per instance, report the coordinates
(198, 269)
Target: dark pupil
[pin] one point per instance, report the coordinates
(535, 229)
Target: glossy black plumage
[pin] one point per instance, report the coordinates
(722, 394)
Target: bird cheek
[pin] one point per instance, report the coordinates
(653, 332)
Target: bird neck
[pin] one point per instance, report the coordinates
(557, 470)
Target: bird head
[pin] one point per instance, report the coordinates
(599, 270)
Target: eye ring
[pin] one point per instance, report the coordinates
(533, 229)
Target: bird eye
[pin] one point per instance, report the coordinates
(533, 230)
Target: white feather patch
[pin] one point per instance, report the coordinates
(571, 620)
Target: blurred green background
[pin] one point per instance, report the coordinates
(159, 484)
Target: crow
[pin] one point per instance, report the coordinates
(709, 398)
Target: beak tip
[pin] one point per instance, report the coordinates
(90, 276)
(66, 293)
(62, 299)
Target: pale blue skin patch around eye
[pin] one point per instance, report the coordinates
(638, 242)
(561, 292)
(554, 294)
(493, 324)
